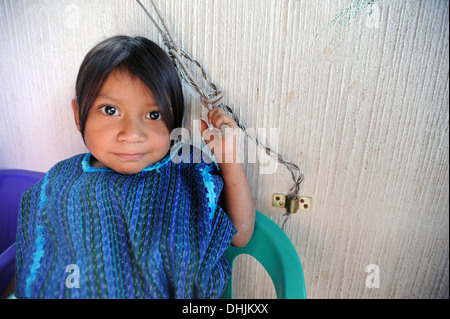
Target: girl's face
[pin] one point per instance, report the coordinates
(124, 129)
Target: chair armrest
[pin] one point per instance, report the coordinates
(273, 249)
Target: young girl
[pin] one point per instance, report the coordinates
(129, 219)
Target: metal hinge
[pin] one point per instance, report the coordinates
(291, 205)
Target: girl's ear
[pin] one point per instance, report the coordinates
(76, 115)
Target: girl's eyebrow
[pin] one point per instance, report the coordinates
(118, 101)
(108, 97)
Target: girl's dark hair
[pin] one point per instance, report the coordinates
(139, 57)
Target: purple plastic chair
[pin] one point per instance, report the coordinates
(12, 185)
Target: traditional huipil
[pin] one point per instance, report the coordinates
(86, 232)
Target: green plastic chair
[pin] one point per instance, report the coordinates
(272, 248)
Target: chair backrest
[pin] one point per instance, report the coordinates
(12, 185)
(272, 248)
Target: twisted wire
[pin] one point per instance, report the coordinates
(212, 97)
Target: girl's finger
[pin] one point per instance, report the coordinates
(218, 117)
(207, 134)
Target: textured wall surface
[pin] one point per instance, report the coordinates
(358, 92)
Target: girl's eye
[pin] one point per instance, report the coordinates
(154, 115)
(109, 110)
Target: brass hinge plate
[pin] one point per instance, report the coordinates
(282, 201)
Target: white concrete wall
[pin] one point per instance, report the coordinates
(359, 93)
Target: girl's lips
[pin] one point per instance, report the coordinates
(130, 156)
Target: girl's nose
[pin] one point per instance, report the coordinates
(131, 131)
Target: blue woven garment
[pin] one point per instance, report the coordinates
(86, 232)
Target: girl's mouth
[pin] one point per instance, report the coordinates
(130, 156)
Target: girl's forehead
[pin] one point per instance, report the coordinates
(121, 85)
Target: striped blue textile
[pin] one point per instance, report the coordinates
(86, 232)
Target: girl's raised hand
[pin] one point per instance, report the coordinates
(224, 148)
(238, 199)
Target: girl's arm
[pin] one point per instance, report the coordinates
(238, 199)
